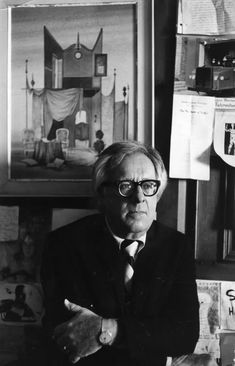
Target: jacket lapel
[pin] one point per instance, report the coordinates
(149, 271)
(108, 253)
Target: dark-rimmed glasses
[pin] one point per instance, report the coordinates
(127, 187)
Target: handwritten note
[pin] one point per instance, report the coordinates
(9, 223)
(191, 136)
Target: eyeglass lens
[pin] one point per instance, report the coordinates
(149, 187)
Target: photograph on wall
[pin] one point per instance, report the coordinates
(229, 139)
(20, 304)
(224, 129)
(72, 87)
(20, 257)
(204, 65)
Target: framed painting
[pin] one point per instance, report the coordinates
(69, 81)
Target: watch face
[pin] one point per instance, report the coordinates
(105, 337)
(77, 55)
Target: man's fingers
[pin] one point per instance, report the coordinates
(74, 359)
(71, 306)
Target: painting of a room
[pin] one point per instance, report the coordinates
(72, 88)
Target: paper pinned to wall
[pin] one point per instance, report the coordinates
(191, 136)
(224, 130)
(209, 300)
(206, 17)
(9, 218)
(228, 305)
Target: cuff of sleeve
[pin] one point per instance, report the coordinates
(110, 325)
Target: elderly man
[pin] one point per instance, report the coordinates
(119, 286)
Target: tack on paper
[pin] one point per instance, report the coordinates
(209, 312)
(9, 223)
(224, 130)
(206, 17)
(191, 136)
(228, 305)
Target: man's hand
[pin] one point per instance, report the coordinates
(78, 337)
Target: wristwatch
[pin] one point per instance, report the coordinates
(106, 336)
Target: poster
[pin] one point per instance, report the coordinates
(224, 129)
(228, 305)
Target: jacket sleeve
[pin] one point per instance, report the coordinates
(171, 329)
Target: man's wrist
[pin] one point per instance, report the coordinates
(109, 331)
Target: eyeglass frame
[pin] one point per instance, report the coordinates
(136, 184)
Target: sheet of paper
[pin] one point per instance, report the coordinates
(9, 216)
(224, 130)
(206, 17)
(228, 305)
(191, 136)
(209, 300)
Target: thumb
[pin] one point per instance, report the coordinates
(74, 308)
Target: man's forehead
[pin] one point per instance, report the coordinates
(135, 164)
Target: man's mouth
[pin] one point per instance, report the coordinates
(137, 213)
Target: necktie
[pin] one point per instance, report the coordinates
(129, 249)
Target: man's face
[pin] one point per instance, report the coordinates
(130, 217)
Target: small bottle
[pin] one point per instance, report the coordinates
(225, 61)
(233, 361)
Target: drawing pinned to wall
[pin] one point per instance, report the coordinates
(209, 299)
(55, 80)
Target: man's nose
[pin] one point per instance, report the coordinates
(138, 194)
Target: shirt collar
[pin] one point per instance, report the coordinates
(120, 240)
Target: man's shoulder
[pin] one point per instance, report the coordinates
(93, 219)
(158, 226)
(165, 233)
(85, 226)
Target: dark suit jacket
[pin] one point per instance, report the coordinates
(82, 263)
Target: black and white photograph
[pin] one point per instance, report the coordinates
(117, 183)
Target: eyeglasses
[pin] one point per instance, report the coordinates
(127, 187)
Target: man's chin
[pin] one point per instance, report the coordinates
(138, 226)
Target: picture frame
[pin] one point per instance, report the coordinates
(140, 127)
(101, 64)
